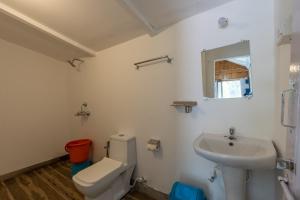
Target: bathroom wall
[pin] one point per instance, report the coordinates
(283, 17)
(123, 99)
(34, 115)
(283, 61)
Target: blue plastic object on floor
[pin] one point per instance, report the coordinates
(80, 166)
(181, 191)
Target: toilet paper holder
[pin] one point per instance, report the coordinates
(153, 145)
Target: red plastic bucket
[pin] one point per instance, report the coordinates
(78, 150)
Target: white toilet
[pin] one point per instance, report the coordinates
(109, 179)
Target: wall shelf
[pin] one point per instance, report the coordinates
(188, 105)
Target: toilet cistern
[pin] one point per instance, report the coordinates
(109, 179)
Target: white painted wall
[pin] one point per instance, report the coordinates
(126, 100)
(34, 114)
(282, 83)
(283, 16)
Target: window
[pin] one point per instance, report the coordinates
(229, 89)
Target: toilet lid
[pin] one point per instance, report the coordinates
(99, 170)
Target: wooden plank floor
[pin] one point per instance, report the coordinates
(136, 196)
(52, 182)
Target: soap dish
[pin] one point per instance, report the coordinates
(188, 105)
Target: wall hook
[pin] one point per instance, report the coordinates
(75, 62)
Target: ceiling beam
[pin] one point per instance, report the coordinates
(135, 11)
(44, 29)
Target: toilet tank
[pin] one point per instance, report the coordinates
(123, 148)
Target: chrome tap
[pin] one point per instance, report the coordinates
(231, 133)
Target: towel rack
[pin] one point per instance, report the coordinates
(153, 61)
(284, 184)
(283, 95)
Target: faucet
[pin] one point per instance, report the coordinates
(231, 134)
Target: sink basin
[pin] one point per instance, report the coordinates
(245, 153)
(236, 157)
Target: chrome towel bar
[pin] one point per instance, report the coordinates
(284, 184)
(153, 61)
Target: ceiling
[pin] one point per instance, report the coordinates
(162, 13)
(93, 25)
(96, 24)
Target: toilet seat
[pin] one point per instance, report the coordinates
(101, 171)
(109, 179)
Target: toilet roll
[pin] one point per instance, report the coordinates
(152, 147)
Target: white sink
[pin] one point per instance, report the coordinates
(246, 153)
(235, 157)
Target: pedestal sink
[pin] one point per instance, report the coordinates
(235, 157)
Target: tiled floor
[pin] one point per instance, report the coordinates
(51, 182)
